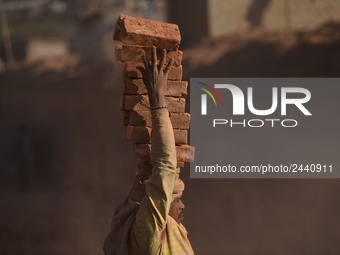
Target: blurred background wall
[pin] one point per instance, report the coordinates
(64, 163)
(213, 18)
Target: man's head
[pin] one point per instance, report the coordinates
(177, 206)
(176, 209)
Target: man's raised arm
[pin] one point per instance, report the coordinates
(154, 209)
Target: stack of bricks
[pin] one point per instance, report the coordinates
(140, 35)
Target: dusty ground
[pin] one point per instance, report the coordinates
(82, 166)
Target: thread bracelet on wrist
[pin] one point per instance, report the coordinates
(158, 107)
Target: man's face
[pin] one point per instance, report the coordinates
(176, 209)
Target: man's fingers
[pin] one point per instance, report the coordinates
(154, 59)
(168, 67)
(146, 62)
(161, 63)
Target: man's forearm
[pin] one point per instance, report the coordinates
(163, 160)
(163, 151)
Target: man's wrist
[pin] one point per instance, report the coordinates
(157, 100)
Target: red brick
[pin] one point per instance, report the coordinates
(185, 153)
(180, 120)
(133, 53)
(133, 70)
(119, 53)
(143, 118)
(137, 31)
(181, 136)
(138, 134)
(126, 118)
(141, 103)
(172, 88)
(180, 164)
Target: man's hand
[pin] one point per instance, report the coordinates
(155, 78)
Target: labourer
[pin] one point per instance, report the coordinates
(148, 222)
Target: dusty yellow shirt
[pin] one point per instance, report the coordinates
(152, 217)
